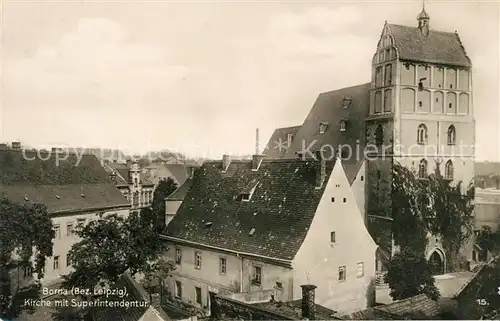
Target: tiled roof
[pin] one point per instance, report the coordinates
(328, 108)
(18, 168)
(180, 193)
(437, 47)
(63, 186)
(279, 212)
(104, 153)
(487, 169)
(276, 147)
(179, 172)
(293, 310)
(419, 306)
(67, 198)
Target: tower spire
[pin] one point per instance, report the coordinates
(423, 21)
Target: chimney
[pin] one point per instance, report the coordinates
(16, 145)
(256, 161)
(226, 160)
(156, 300)
(191, 170)
(308, 304)
(320, 169)
(129, 163)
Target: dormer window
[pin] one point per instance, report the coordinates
(322, 127)
(346, 102)
(246, 194)
(342, 125)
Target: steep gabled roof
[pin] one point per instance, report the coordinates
(438, 47)
(329, 109)
(180, 193)
(62, 184)
(278, 143)
(279, 211)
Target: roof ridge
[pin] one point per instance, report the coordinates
(344, 88)
(430, 30)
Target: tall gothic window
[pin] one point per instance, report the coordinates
(451, 135)
(448, 170)
(422, 169)
(342, 125)
(422, 134)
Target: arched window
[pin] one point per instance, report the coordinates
(451, 135)
(342, 125)
(422, 169)
(422, 134)
(448, 170)
(379, 136)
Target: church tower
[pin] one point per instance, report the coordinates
(421, 114)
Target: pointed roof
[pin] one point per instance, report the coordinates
(329, 110)
(278, 143)
(437, 47)
(279, 212)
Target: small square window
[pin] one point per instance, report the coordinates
(362, 178)
(332, 237)
(333, 199)
(419, 104)
(279, 286)
(345, 200)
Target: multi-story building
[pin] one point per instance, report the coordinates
(73, 190)
(134, 185)
(416, 110)
(261, 228)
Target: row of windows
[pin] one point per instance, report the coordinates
(70, 231)
(383, 77)
(178, 292)
(453, 101)
(422, 135)
(435, 77)
(360, 271)
(257, 270)
(423, 170)
(143, 198)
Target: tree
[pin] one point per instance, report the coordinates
(489, 240)
(26, 230)
(163, 189)
(113, 245)
(410, 274)
(431, 206)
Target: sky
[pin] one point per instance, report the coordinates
(200, 77)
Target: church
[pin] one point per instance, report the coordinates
(417, 109)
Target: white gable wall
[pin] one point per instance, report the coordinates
(318, 260)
